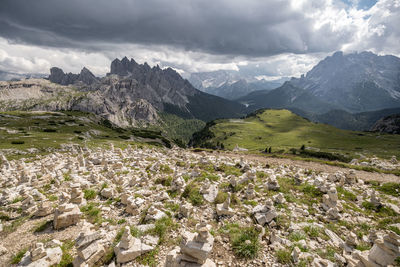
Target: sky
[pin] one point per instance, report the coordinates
(276, 37)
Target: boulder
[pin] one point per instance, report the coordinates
(66, 215)
(186, 209)
(224, 209)
(351, 177)
(44, 209)
(264, 213)
(249, 193)
(197, 246)
(385, 250)
(107, 192)
(272, 183)
(130, 247)
(154, 214)
(210, 193)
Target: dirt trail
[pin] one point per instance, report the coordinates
(364, 175)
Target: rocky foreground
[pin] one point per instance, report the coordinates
(160, 207)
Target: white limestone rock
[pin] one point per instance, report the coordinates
(385, 250)
(66, 215)
(130, 247)
(224, 208)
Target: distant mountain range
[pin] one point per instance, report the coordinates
(231, 84)
(355, 82)
(8, 76)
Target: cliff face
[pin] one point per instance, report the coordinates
(39, 94)
(389, 124)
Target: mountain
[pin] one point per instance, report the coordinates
(389, 124)
(57, 75)
(241, 88)
(8, 76)
(166, 90)
(286, 96)
(354, 83)
(214, 79)
(232, 84)
(131, 94)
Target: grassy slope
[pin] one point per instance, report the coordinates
(178, 128)
(71, 127)
(282, 129)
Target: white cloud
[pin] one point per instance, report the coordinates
(33, 59)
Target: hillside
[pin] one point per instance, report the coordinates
(348, 121)
(91, 205)
(283, 130)
(42, 131)
(287, 96)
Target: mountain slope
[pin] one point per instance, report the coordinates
(389, 124)
(283, 130)
(286, 96)
(347, 121)
(354, 83)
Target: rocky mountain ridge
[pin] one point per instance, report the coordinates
(58, 76)
(131, 94)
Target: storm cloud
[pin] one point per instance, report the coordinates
(252, 28)
(197, 35)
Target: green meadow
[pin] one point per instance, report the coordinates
(282, 131)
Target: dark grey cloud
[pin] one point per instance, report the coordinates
(228, 27)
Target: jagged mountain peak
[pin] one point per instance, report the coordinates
(57, 75)
(87, 77)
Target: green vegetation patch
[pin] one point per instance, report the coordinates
(18, 257)
(92, 213)
(283, 130)
(89, 194)
(192, 193)
(244, 240)
(42, 226)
